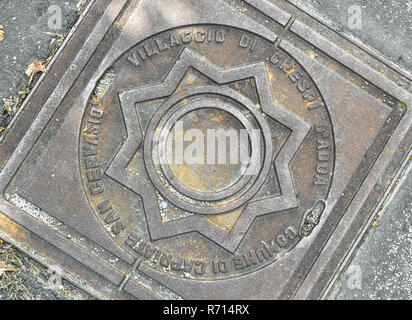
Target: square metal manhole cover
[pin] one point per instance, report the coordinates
(127, 168)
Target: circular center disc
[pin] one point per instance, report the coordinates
(209, 141)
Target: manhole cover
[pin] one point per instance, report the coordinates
(205, 150)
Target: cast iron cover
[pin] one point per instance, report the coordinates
(92, 179)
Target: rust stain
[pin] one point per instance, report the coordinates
(12, 229)
(271, 75)
(225, 222)
(312, 53)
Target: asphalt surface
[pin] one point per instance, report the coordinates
(28, 37)
(380, 269)
(385, 26)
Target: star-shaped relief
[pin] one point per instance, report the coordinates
(161, 199)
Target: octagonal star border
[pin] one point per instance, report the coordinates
(228, 240)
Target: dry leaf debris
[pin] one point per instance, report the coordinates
(1, 33)
(35, 67)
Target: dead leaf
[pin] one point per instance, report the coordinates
(35, 67)
(1, 34)
(6, 269)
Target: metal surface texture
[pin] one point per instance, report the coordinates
(87, 183)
